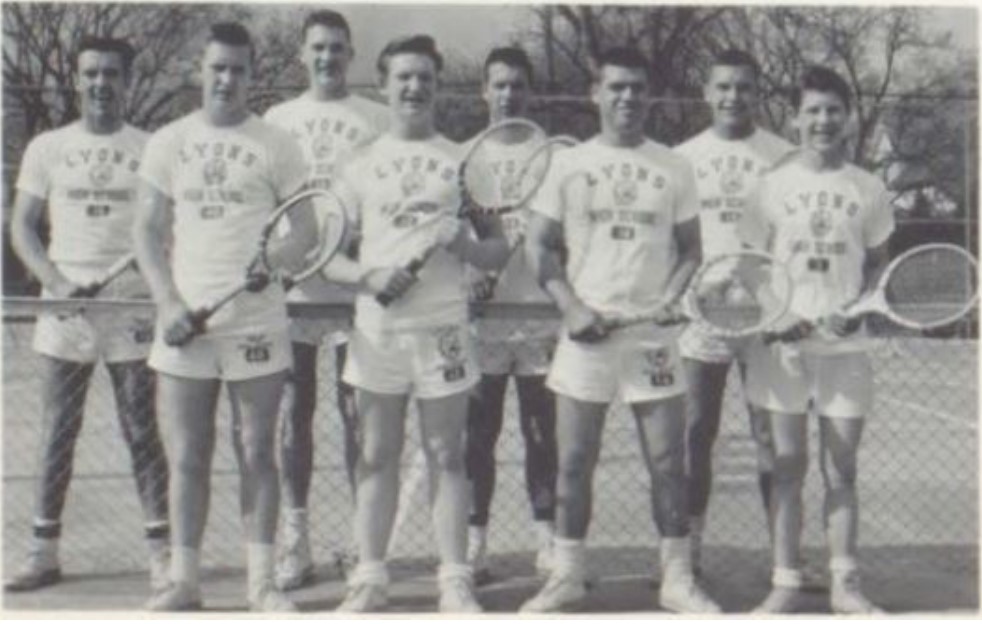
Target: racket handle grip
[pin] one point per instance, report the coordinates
(414, 266)
(197, 319)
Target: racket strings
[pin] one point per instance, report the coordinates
(932, 286)
(506, 166)
(739, 293)
(291, 253)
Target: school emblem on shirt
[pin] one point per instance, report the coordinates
(412, 183)
(730, 182)
(659, 368)
(448, 343)
(821, 223)
(322, 146)
(100, 174)
(510, 190)
(256, 348)
(216, 172)
(625, 192)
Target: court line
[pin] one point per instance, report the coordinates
(936, 413)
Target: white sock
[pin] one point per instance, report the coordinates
(786, 578)
(841, 567)
(371, 572)
(451, 571)
(185, 566)
(676, 558)
(260, 561)
(569, 556)
(157, 544)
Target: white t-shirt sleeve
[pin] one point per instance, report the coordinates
(879, 223)
(33, 177)
(156, 166)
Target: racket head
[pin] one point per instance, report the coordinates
(293, 254)
(739, 294)
(505, 165)
(925, 287)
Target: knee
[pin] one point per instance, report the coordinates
(839, 476)
(377, 458)
(446, 456)
(790, 467)
(192, 462)
(575, 464)
(258, 454)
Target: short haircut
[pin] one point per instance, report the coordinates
(631, 58)
(231, 34)
(327, 19)
(414, 44)
(106, 44)
(732, 57)
(511, 56)
(824, 80)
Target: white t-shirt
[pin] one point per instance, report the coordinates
(821, 223)
(618, 208)
(727, 172)
(329, 132)
(225, 182)
(90, 184)
(397, 191)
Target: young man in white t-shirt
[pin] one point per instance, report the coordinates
(625, 209)
(404, 196)
(83, 176)
(330, 123)
(728, 158)
(210, 181)
(511, 348)
(831, 221)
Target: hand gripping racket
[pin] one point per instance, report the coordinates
(731, 295)
(487, 189)
(925, 287)
(115, 270)
(287, 253)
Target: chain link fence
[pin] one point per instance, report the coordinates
(919, 458)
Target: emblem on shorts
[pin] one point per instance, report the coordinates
(412, 183)
(256, 348)
(216, 172)
(625, 192)
(821, 223)
(659, 367)
(142, 330)
(322, 146)
(448, 343)
(100, 174)
(731, 182)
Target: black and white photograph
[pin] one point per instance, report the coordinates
(511, 309)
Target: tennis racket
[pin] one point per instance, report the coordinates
(287, 253)
(925, 287)
(732, 295)
(501, 170)
(554, 144)
(115, 270)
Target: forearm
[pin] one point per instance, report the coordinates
(344, 270)
(31, 251)
(681, 275)
(151, 254)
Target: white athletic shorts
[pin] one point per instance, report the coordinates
(433, 362)
(695, 343)
(787, 379)
(229, 358)
(311, 331)
(639, 364)
(121, 336)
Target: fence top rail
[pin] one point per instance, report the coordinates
(23, 308)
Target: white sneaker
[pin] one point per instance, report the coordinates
(685, 596)
(780, 600)
(295, 568)
(159, 569)
(457, 596)
(271, 600)
(562, 592)
(364, 598)
(176, 597)
(847, 598)
(40, 570)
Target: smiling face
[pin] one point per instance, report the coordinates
(326, 54)
(822, 121)
(731, 93)
(620, 94)
(409, 86)
(226, 74)
(506, 91)
(101, 86)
